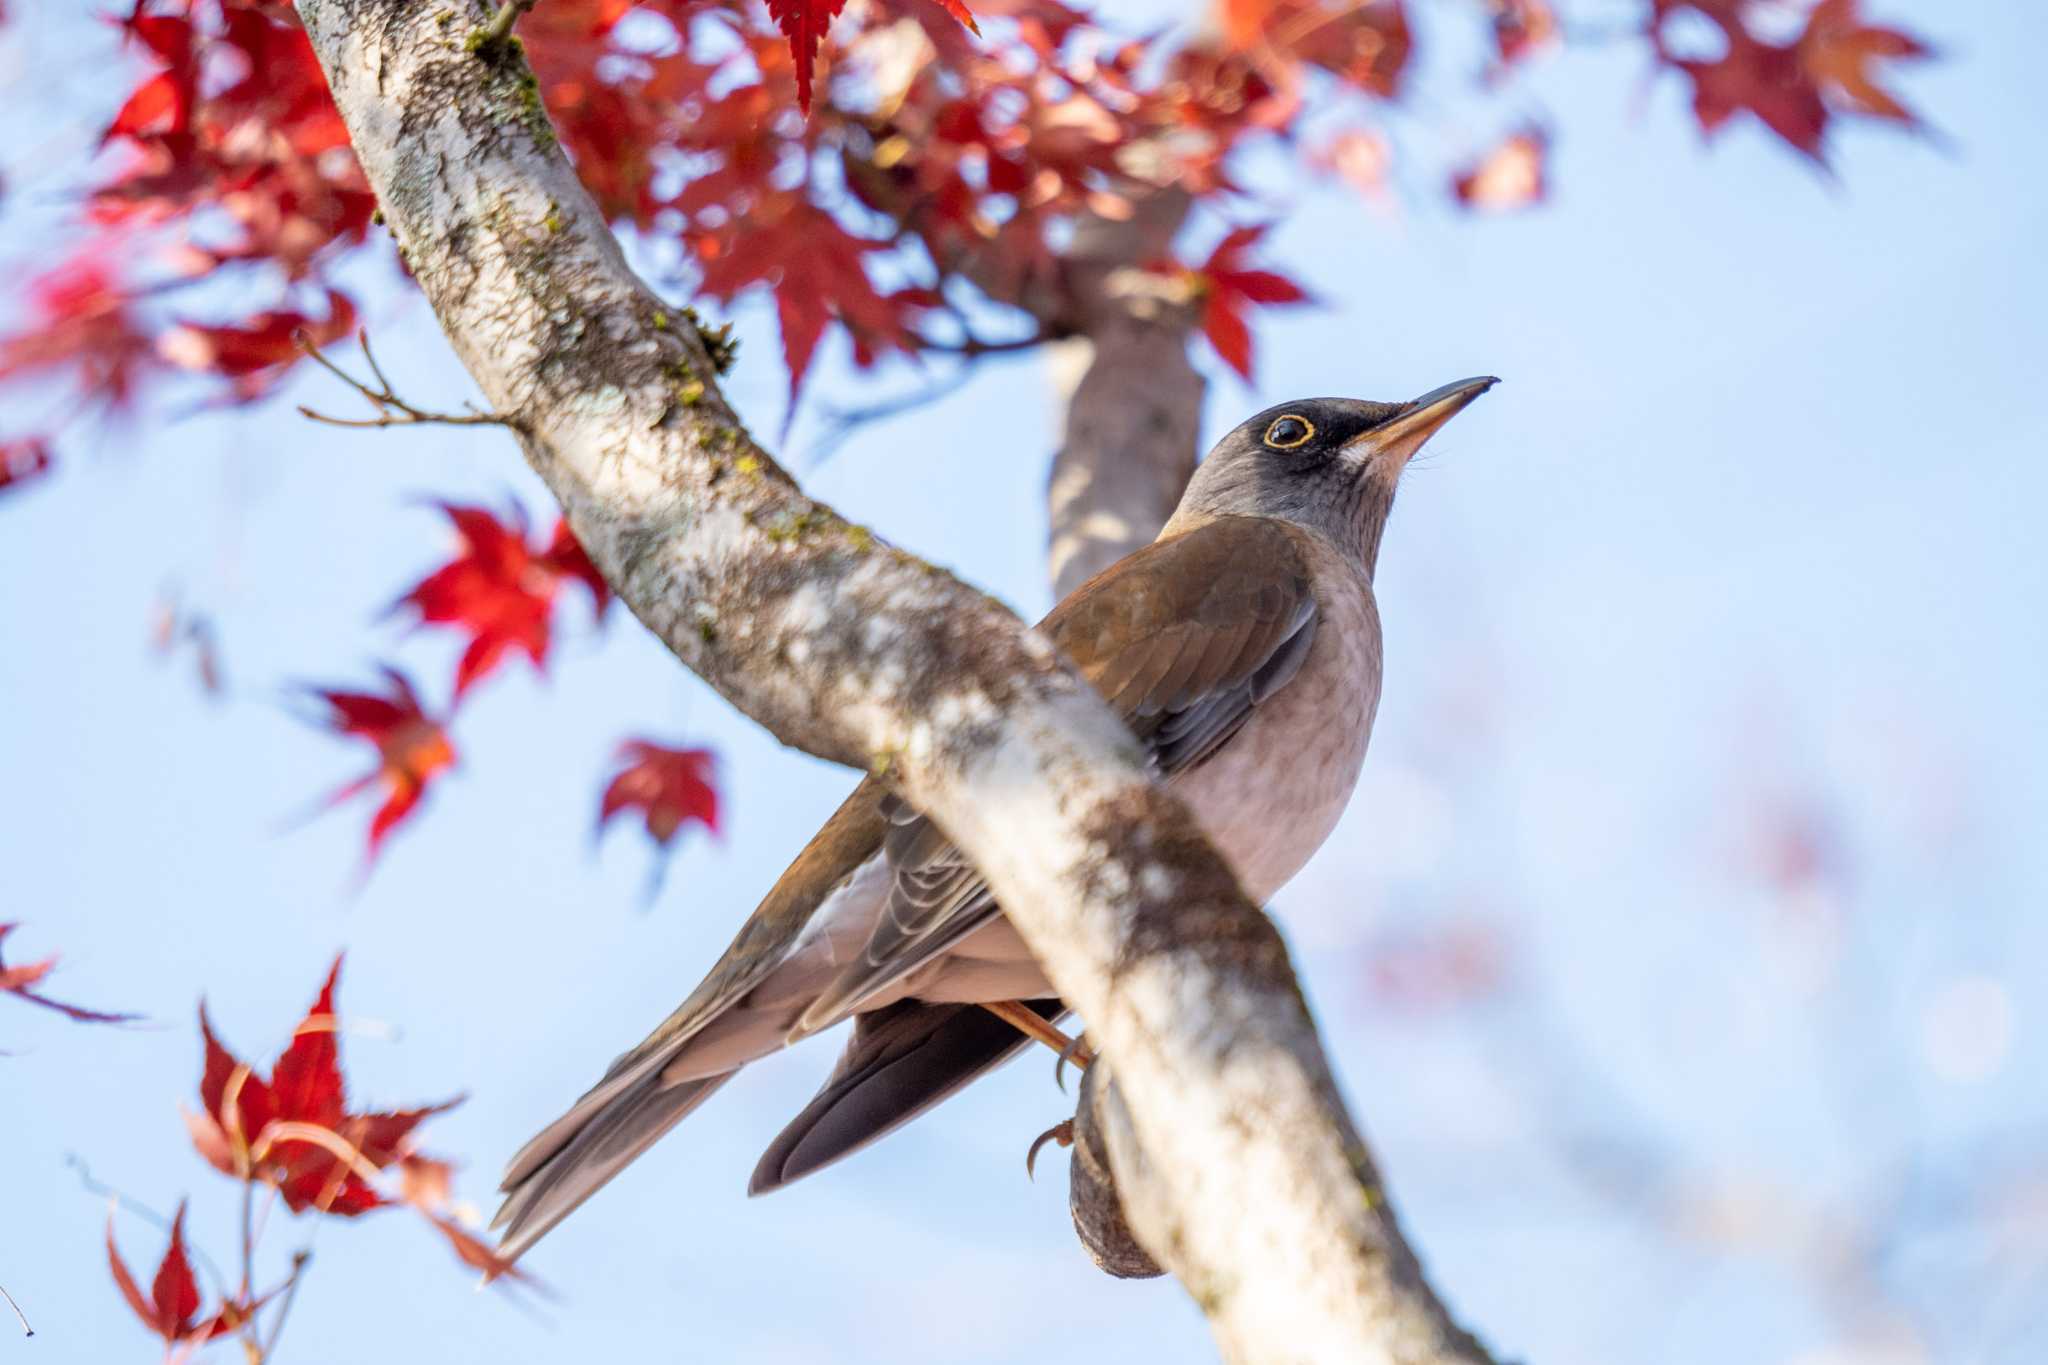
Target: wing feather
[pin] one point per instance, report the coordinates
(1184, 639)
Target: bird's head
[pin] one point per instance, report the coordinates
(1326, 464)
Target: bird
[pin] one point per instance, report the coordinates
(1242, 649)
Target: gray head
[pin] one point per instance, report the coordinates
(1329, 465)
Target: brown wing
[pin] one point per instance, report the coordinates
(1184, 638)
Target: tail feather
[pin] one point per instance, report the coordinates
(574, 1156)
(902, 1060)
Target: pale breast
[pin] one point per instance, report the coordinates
(1271, 796)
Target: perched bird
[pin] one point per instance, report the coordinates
(1242, 648)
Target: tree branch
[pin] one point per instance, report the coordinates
(1132, 398)
(1254, 1189)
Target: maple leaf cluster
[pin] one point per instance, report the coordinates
(500, 591)
(893, 168)
(228, 153)
(293, 1132)
(881, 176)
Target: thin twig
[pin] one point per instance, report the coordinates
(300, 1260)
(248, 1238)
(500, 27)
(19, 1316)
(840, 423)
(251, 1336)
(975, 346)
(136, 1208)
(392, 411)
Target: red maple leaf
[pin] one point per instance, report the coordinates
(1791, 87)
(293, 1130)
(818, 273)
(1508, 177)
(804, 23)
(412, 748)
(80, 319)
(254, 354)
(21, 981)
(670, 787)
(23, 461)
(566, 558)
(267, 149)
(1366, 44)
(500, 589)
(171, 1308)
(163, 103)
(1838, 51)
(1228, 288)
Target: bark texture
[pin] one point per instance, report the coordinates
(1092, 1191)
(1132, 398)
(1243, 1174)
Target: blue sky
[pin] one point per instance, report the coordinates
(1752, 523)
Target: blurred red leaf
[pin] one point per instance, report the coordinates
(1523, 28)
(1436, 967)
(171, 1308)
(21, 981)
(1787, 85)
(1361, 158)
(1509, 177)
(412, 748)
(1228, 288)
(23, 461)
(80, 319)
(254, 354)
(1839, 52)
(238, 123)
(426, 1184)
(163, 103)
(566, 558)
(498, 589)
(804, 23)
(474, 1252)
(293, 1130)
(671, 787)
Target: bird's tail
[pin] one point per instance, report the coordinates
(573, 1157)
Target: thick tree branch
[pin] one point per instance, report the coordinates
(1132, 398)
(1254, 1188)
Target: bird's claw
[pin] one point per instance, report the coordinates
(1061, 1133)
(1077, 1051)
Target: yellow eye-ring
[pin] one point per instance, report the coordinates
(1290, 431)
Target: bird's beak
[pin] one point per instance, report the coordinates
(1398, 438)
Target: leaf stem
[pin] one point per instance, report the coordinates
(19, 1316)
(300, 1260)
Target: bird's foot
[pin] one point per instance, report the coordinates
(1032, 1024)
(1061, 1133)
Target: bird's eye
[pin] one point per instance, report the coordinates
(1288, 432)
